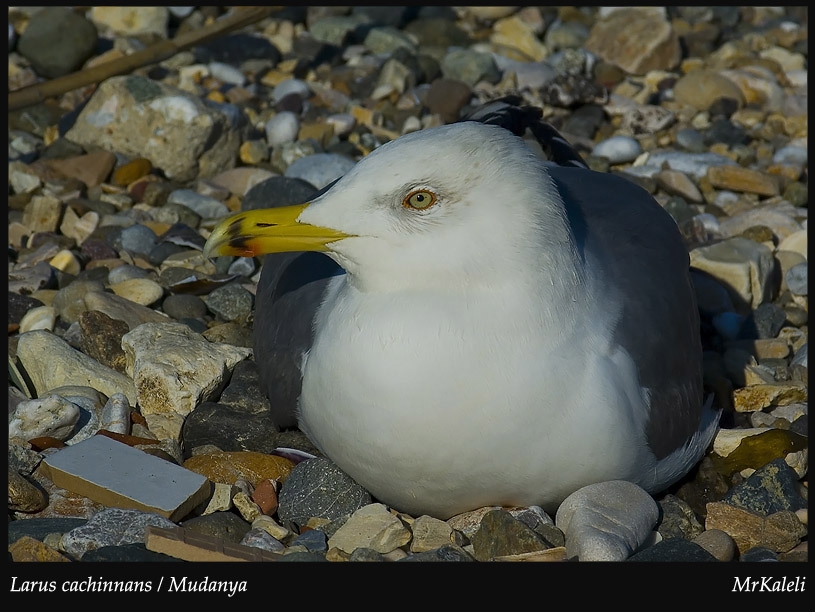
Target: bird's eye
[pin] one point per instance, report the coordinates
(419, 200)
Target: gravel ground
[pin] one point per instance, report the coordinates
(114, 187)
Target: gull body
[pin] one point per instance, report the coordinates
(525, 330)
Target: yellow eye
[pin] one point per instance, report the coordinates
(419, 200)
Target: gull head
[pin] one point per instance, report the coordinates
(436, 207)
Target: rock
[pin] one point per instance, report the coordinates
(761, 396)
(230, 303)
(469, 67)
(678, 519)
(24, 495)
(717, 543)
(772, 488)
(779, 532)
(43, 317)
(124, 111)
(29, 549)
(446, 97)
(139, 290)
(501, 534)
(51, 416)
(782, 225)
(318, 488)
(737, 178)
(229, 467)
(636, 41)
(796, 279)
(796, 242)
(618, 149)
(203, 206)
(676, 549)
(320, 169)
(57, 41)
(429, 534)
(227, 526)
(66, 365)
(282, 128)
(747, 269)
(607, 521)
(516, 35)
(122, 309)
(174, 369)
(372, 526)
(132, 20)
(701, 88)
(111, 527)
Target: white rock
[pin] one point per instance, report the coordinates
(116, 414)
(67, 366)
(227, 73)
(139, 290)
(174, 369)
(51, 415)
(618, 149)
(41, 317)
(282, 128)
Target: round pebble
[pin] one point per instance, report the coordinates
(618, 149)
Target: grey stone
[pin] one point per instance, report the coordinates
(320, 169)
(618, 149)
(137, 239)
(203, 206)
(318, 488)
(127, 553)
(278, 191)
(673, 550)
(39, 528)
(230, 303)
(226, 525)
(183, 305)
(57, 41)
(796, 278)
(111, 527)
(606, 521)
(449, 553)
(678, 519)
(470, 67)
(772, 488)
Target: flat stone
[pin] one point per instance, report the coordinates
(228, 467)
(115, 474)
(759, 397)
(737, 178)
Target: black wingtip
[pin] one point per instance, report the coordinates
(510, 113)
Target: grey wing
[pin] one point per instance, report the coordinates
(289, 292)
(619, 226)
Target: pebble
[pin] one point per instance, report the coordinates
(320, 169)
(618, 149)
(51, 416)
(282, 128)
(607, 521)
(722, 139)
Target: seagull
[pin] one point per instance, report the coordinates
(495, 324)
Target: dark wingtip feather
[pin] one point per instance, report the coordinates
(510, 113)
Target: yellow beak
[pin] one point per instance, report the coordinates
(270, 230)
